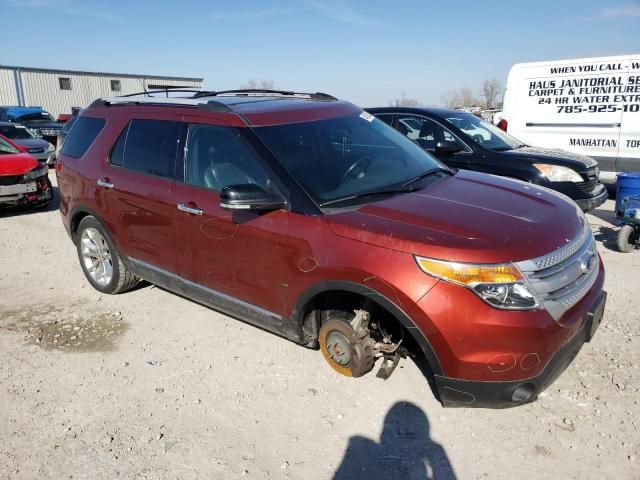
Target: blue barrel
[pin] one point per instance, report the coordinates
(628, 184)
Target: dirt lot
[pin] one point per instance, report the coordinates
(150, 385)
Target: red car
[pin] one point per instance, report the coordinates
(23, 180)
(308, 217)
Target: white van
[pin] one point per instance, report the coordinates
(589, 106)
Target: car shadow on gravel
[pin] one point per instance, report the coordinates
(405, 450)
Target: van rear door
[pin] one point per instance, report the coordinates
(629, 145)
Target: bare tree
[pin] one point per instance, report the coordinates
(451, 99)
(254, 84)
(490, 91)
(467, 98)
(462, 98)
(404, 101)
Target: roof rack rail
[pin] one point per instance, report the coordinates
(165, 90)
(204, 104)
(259, 91)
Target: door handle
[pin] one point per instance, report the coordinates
(193, 211)
(104, 183)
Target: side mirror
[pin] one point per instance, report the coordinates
(448, 147)
(249, 197)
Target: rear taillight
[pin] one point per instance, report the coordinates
(503, 124)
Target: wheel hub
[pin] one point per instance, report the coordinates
(348, 351)
(96, 256)
(339, 348)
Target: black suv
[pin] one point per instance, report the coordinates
(462, 140)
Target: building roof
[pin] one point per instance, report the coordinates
(103, 74)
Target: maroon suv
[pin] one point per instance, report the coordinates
(310, 218)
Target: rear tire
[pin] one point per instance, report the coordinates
(100, 261)
(627, 238)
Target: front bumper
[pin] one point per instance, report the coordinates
(455, 392)
(36, 192)
(588, 204)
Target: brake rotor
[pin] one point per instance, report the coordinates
(347, 352)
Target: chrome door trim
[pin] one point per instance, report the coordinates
(104, 183)
(193, 211)
(214, 293)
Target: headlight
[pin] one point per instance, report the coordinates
(36, 173)
(500, 285)
(35, 132)
(50, 147)
(556, 173)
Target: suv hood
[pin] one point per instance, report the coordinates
(31, 142)
(16, 164)
(554, 156)
(470, 217)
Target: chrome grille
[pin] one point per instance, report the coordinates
(588, 187)
(562, 278)
(49, 132)
(561, 254)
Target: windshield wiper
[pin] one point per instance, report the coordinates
(374, 193)
(428, 173)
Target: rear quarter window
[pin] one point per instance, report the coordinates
(81, 136)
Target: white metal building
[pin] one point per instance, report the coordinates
(58, 91)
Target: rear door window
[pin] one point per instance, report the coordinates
(82, 136)
(147, 146)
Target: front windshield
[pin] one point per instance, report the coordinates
(487, 135)
(39, 117)
(345, 156)
(15, 131)
(6, 147)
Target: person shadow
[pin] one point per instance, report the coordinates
(405, 451)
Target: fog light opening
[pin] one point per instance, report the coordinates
(523, 393)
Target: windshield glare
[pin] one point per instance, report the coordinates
(346, 156)
(6, 147)
(483, 133)
(18, 132)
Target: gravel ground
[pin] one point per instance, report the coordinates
(150, 385)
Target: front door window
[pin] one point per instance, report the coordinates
(424, 131)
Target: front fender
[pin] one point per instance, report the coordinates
(382, 299)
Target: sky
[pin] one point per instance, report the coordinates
(368, 52)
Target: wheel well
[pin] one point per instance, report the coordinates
(347, 301)
(75, 221)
